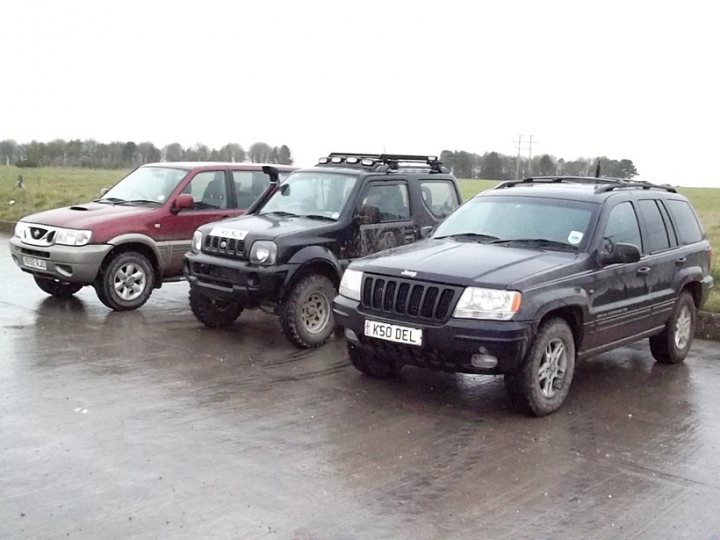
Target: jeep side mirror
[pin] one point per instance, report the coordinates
(183, 202)
(426, 231)
(621, 254)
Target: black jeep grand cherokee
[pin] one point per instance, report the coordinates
(525, 278)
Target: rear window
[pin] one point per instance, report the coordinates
(687, 225)
(439, 197)
(656, 234)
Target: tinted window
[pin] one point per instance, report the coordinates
(208, 190)
(249, 185)
(439, 197)
(656, 238)
(512, 218)
(388, 202)
(622, 227)
(685, 221)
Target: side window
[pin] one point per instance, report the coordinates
(622, 227)
(439, 197)
(385, 202)
(688, 229)
(249, 185)
(657, 235)
(208, 190)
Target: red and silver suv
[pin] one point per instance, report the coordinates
(134, 237)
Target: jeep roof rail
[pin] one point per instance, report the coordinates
(601, 184)
(383, 162)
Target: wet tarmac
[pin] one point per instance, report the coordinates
(144, 424)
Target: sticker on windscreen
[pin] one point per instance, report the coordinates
(575, 237)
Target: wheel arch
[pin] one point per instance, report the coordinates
(573, 315)
(141, 244)
(313, 260)
(695, 290)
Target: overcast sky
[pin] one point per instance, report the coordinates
(634, 80)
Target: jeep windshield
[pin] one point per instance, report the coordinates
(146, 185)
(532, 222)
(315, 195)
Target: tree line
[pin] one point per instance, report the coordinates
(123, 155)
(497, 166)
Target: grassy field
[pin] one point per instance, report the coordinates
(52, 187)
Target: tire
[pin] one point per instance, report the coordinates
(56, 288)
(306, 315)
(212, 312)
(672, 345)
(370, 365)
(126, 281)
(543, 381)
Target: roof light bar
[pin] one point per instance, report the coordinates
(323, 160)
(337, 159)
(352, 160)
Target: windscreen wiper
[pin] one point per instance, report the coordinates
(112, 200)
(541, 242)
(140, 201)
(280, 213)
(319, 216)
(470, 235)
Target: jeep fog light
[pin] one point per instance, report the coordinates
(483, 361)
(351, 283)
(488, 304)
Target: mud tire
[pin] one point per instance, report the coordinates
(306, 316)
(669, 347)
(367, 364)
(211, 312)
(57, 288)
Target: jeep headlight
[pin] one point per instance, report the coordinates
(72, 237)
(263, 252)
(196, 245)
(492, 304)
(351, 284)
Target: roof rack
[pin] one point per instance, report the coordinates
(601, 184)
(383, 162)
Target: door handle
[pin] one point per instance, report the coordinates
(680, 261)
(644, 271)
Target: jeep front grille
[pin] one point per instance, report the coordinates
(419, 299)
(223, 247)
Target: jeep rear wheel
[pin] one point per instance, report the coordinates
(370, 365)
(57, 288)
(672, 345)
(306, 314)
(126, 281)
(212, 312)
(543, 382)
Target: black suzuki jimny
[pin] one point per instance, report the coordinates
(525, 278)
(290, 249)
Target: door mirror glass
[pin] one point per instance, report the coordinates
(620, 254)
(183, 202)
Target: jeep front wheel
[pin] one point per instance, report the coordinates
(543, 382)
(125, 282)
(212, 312)
(54, 287)
(370, 365)
(672, 345)
(306, 314)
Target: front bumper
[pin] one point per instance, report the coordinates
(236, 280)
(447, 346)
(67, 263)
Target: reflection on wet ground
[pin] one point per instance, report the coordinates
(146, 424)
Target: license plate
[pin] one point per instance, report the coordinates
(393, 332)
(32, 262)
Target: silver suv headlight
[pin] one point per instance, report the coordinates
(20, 228)
(492, 304)
(263, 252)
(197, 238)
(72, 237)
(351, 284)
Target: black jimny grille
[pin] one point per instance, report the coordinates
(408, 297)
(224, 247)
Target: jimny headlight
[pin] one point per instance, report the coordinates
(489, 304)
(263, 252)
(196, 245)
(351, 284)
(72, 237)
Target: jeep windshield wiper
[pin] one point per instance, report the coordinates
(111, 200)
(471, 236)
(140, 201)
(540, 242)
(280, 213)
(319, 216)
